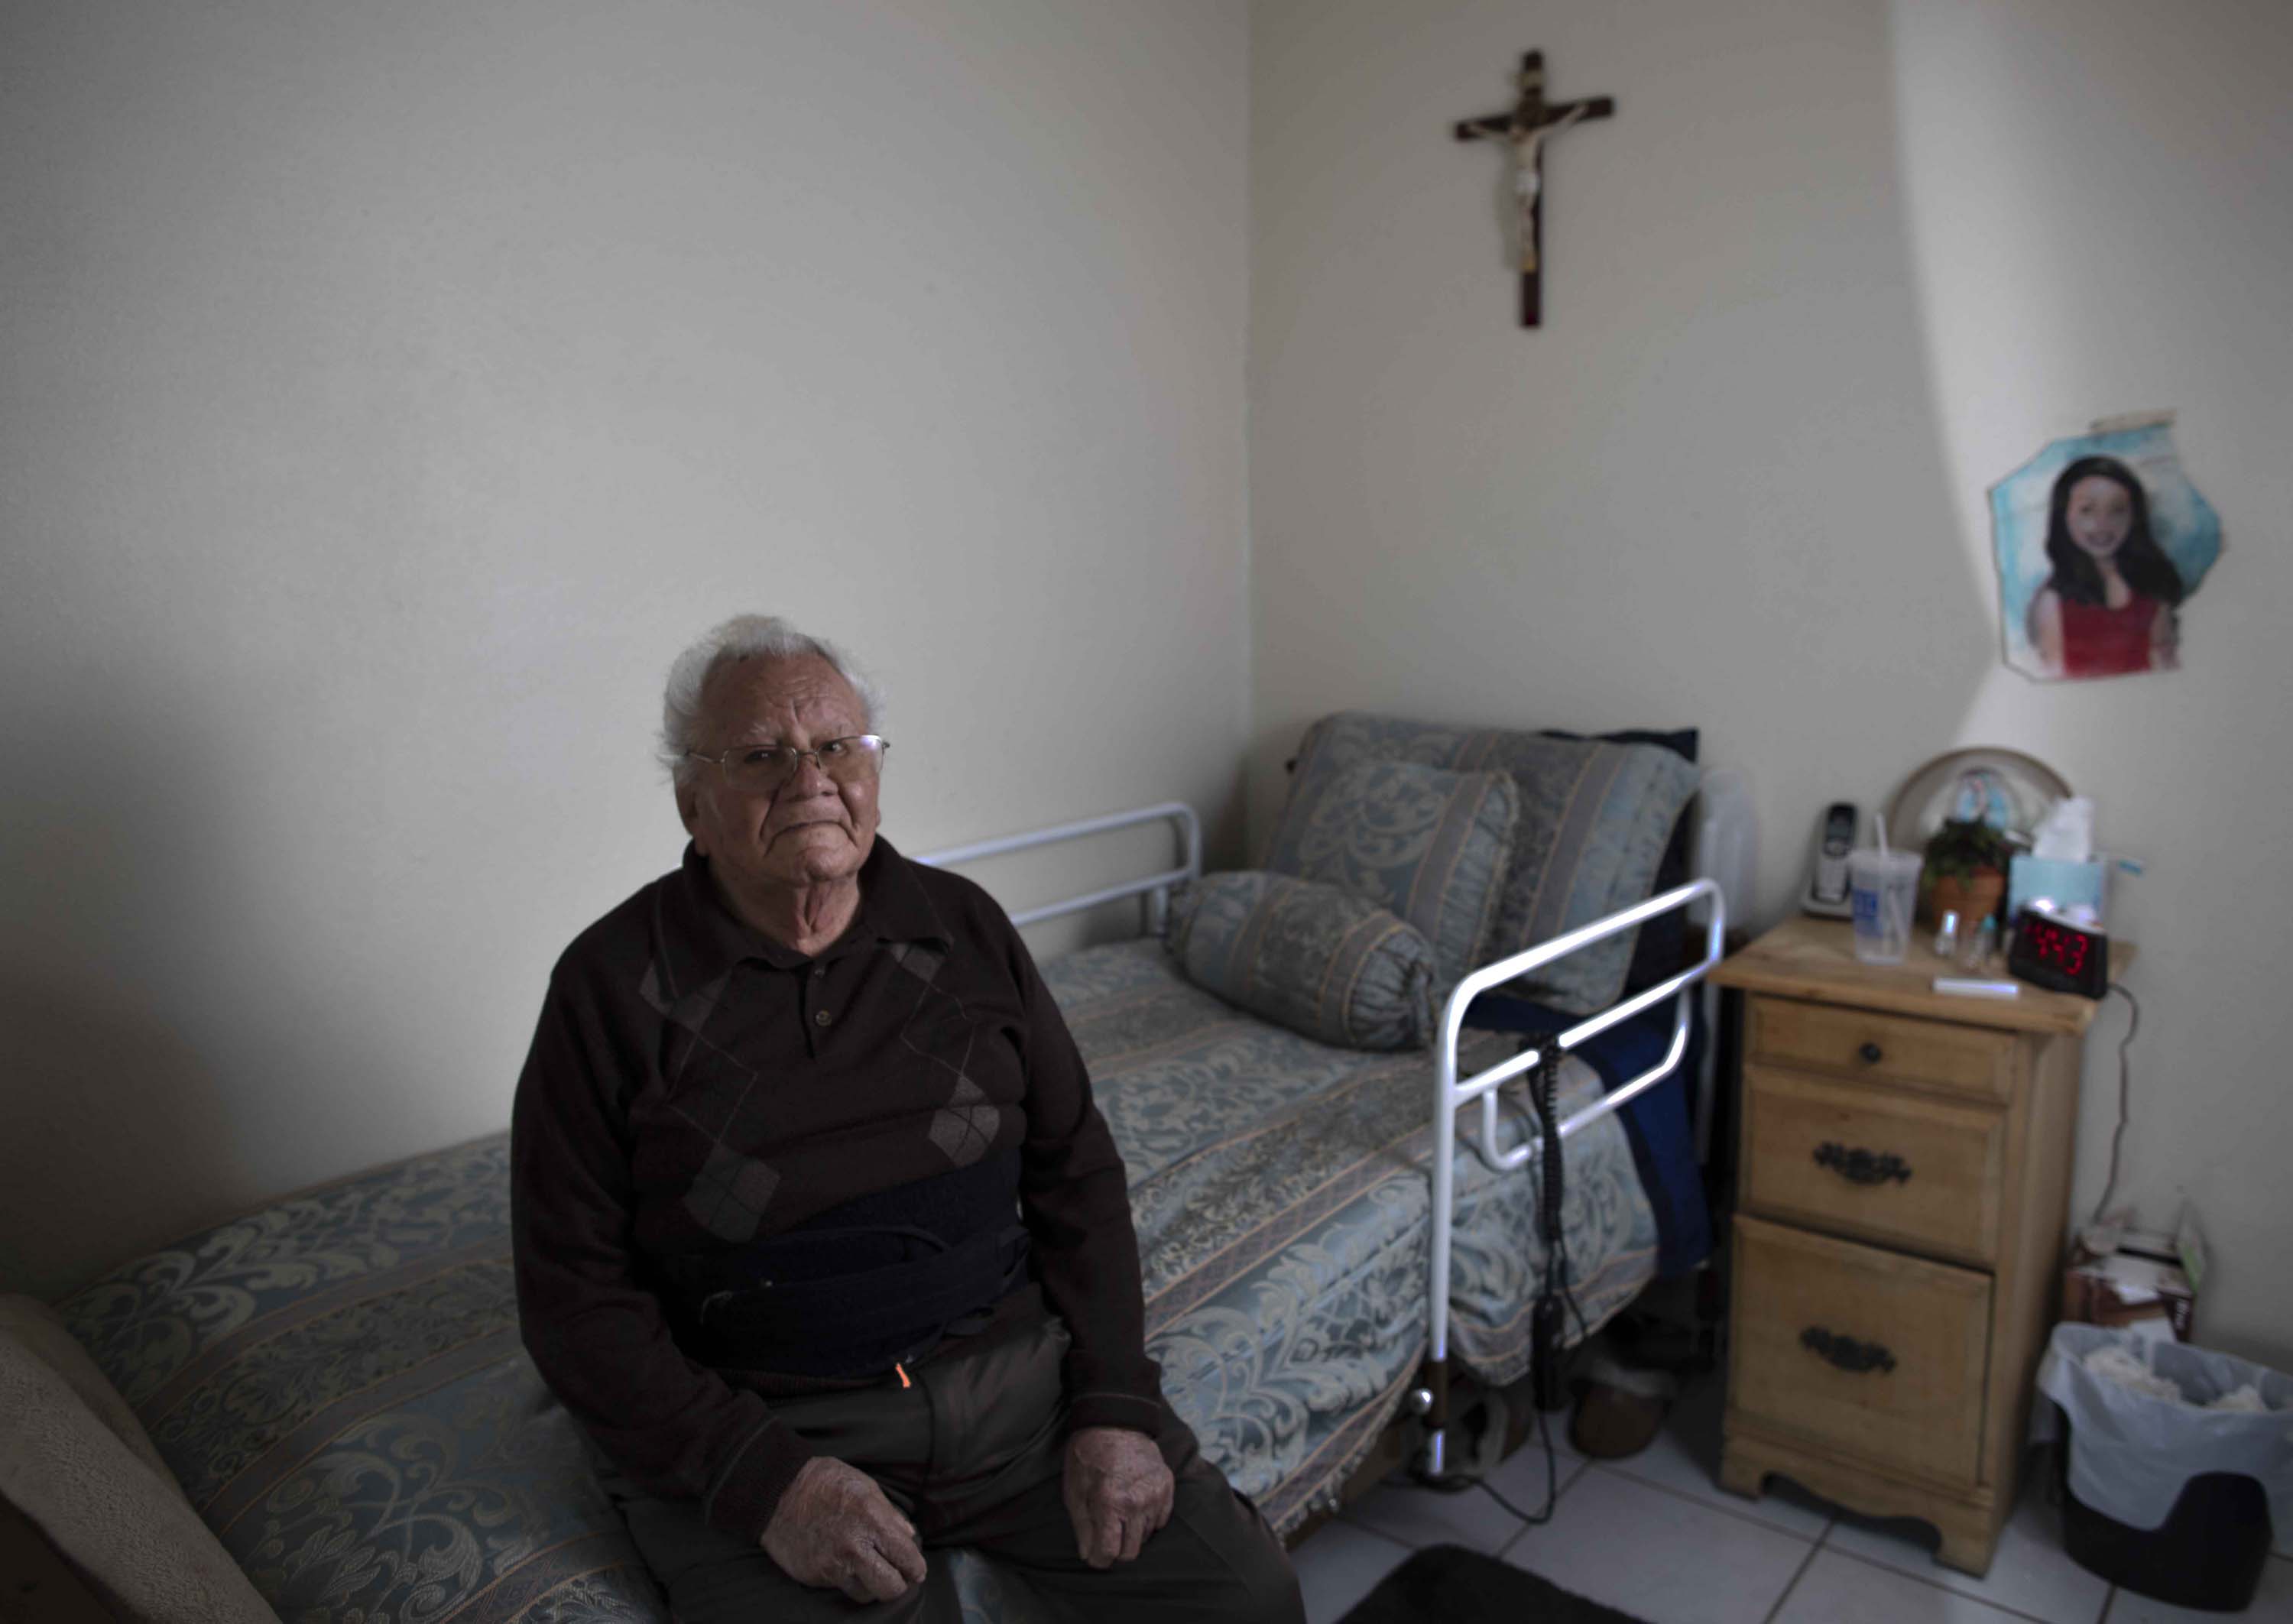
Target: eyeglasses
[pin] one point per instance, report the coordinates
(768, 766)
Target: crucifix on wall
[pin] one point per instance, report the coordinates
(1525, 128)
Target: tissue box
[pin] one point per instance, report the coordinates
(2063, 884)
(2142, 1285)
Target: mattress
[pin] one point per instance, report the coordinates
(337, 1381)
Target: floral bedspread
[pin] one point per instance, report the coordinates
(338, 1383)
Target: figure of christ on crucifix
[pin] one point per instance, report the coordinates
(1524, 128)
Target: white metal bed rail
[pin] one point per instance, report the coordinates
(1154, 888)
(1450, 1095)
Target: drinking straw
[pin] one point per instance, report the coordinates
(1880, 819)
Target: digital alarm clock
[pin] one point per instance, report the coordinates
(2053, 953)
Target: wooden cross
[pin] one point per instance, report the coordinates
(1526, 126)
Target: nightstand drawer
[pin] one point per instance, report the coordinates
(1867, 1352)
(1876, 1162)
(1898, 1049)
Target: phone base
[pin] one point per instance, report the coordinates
(1809, 903)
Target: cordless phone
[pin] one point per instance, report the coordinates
(1827, 879)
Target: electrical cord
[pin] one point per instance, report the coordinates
(2125, 1098)
(1546, 1096)
(1549, 1329)
(1554, 1297)
(1535, 1519)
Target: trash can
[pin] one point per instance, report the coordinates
(2168, 1491)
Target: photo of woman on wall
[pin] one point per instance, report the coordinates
(2101, 541)
(2108, 607)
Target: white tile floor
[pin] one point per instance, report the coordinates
(1657, 1536)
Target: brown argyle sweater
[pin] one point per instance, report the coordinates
(694, 1086)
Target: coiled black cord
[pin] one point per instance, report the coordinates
(1548, 1329)
(1545, 1096)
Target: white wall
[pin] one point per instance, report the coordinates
(387, 392)
(1832, 271)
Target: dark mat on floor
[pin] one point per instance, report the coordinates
(1447, 1584)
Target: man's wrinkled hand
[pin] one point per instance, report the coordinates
(1118, 1492)
(835, 1529)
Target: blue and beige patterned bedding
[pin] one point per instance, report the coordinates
(338, 1383)
(1281, 1193)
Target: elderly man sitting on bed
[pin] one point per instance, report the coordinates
(818, 1233)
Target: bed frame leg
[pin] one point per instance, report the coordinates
(1430, 1400)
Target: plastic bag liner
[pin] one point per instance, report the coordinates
(2130, 1453)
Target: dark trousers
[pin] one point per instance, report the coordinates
(973, 1454)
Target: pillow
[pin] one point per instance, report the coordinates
(1334, 966)
(1682, 741)
(1427, 844)
(1593, 822)
(1664, 940)
(79, 1466)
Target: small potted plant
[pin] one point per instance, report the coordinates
(1965, 871)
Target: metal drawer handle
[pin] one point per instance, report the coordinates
(1846, 1352)
(1871, 1054)
(1861, 1166)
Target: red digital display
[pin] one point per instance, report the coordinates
(2051, 944)
(2060, 955)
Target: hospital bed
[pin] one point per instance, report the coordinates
(1327, 1234)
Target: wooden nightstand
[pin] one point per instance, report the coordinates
(1904, 1172)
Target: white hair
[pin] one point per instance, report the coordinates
(743, 637)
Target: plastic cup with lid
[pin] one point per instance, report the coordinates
(1882, 890)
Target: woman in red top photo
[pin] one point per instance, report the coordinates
(2108, 608)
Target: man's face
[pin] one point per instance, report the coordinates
(810, 830)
